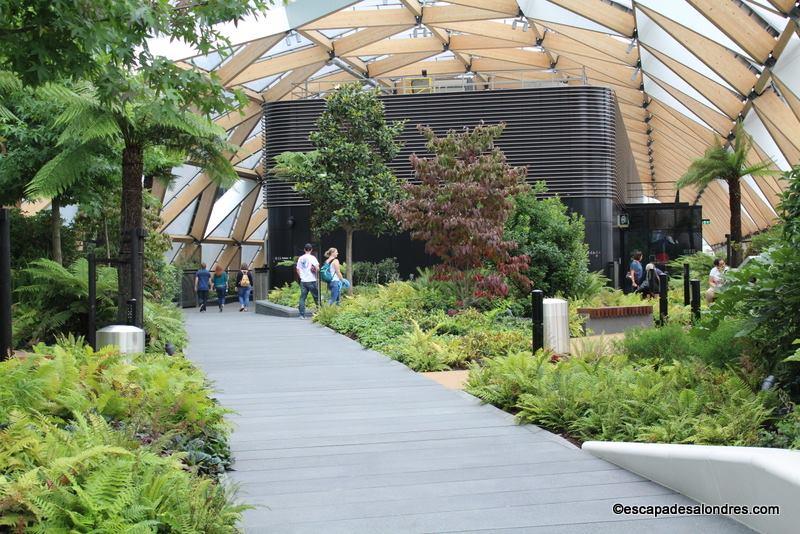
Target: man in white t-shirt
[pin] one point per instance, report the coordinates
(307, 269)
(716, 278)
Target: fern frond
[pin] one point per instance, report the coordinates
(60, 173)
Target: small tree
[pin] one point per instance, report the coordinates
(346, 178)
(31, 140)
(462, 203)
(719, 163)
(552, 239)
(143, 122)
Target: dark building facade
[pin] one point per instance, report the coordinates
(570, 137)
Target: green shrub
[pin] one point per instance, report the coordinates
(289, 295)
(670, 342)
(615, 400)
(501, 381)
(722, 345)
(157, 397)
(382, 272)
(554, 241)
(421, 350)
(763, 297)
(785, 433)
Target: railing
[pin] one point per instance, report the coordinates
(485, 81)
(188, 296)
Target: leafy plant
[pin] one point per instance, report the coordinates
(719, 163)
(143, 117)
(163, 324)
(381, 272)
(614, 400)
(461, 205)
(421, 350)
(87, 477)
(554, 242)
(54, 300)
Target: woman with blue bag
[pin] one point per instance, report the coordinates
(331, 272)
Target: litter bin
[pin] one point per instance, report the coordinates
(129, 339)
(556, 325)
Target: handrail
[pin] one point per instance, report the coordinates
(311, 89)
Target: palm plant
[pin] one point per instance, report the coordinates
(720, 163)
(139, 120)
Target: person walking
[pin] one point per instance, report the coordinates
(331, 272)
(220, 281)
(307, 269)
(201, 285)
(635, 271)
(244, 284)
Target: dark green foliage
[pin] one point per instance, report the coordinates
(46, 41)
(30, 239)
(381, 272)
(720, 346)
(785, 434)
(553, 240)
(764, 297)
(616, 400)
(52, 300)
(668, 343)
(790, 206)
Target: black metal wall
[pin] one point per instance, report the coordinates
(571, 137)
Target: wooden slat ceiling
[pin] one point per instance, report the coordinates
(704, 82)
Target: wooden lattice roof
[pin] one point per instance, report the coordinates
(683, 71)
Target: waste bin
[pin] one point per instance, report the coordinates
(556, 325)
(129, 339)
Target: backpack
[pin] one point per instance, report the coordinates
(245, 282)
(325, 273)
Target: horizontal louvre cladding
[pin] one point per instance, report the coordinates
(566, 136)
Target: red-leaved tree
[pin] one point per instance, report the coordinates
(461, 205)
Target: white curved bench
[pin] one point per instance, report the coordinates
(718, 475)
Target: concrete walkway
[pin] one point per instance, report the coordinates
(333, 438)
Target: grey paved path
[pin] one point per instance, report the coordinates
(334, 438)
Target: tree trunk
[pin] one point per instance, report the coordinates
(130, 220)
(735, 202)
(106, 238)
(55, 230)
(349, 258)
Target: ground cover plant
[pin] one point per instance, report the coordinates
(93, 441)
(615, 399)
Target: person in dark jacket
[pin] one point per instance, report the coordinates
(244, 284)
(202, 285)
